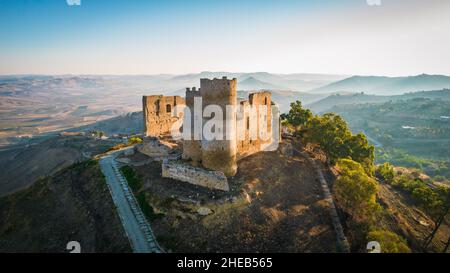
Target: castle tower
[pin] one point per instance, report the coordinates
(192, 147)
(220, 155)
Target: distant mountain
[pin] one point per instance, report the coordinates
(329, 102)
(195, 77)
(252, 83)
(130, 123)
(338, 99)
(387, 85)
(29, 85)
(295, 82)
(284, 98)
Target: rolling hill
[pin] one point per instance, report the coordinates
(252, 83)
(411, 132)
(284, 98)
(387, 85)
(257, 80)
(331, 101)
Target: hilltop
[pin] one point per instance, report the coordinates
(275, 204)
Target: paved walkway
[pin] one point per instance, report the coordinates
(133, 220)
(342, 240)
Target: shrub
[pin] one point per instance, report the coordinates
(356, 192)
(432, 200)
(147, 210)
(134, 140)
(134, 180)
(386, 172)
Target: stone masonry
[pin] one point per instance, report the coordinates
(218, 157)
(159, 115)
(193, 175)
(222, 155)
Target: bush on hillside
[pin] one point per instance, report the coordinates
(356, 192)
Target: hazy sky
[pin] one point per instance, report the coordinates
(398, 37)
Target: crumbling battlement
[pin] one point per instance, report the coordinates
(254, 112)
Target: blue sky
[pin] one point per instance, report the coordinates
(151, 37)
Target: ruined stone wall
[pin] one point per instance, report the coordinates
(222, 155)
(252, 117)
(214, 154)
(159, 115)
(192, 149)
(196, 176)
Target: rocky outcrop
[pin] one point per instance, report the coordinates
(196, 176)
(204, 211)
(286, 149)
(156, 148)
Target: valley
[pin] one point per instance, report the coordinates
(54, 126)
(411, 130)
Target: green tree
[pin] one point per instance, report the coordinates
(297, 115)
(331, 132)
(360, 150)
(439, 209)
(434, 200)
(356, 192)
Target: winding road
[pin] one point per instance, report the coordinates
(133, 220)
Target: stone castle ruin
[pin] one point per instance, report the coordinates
(158, 116)
(207, 162)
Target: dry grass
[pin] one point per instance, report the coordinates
(275, 205)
